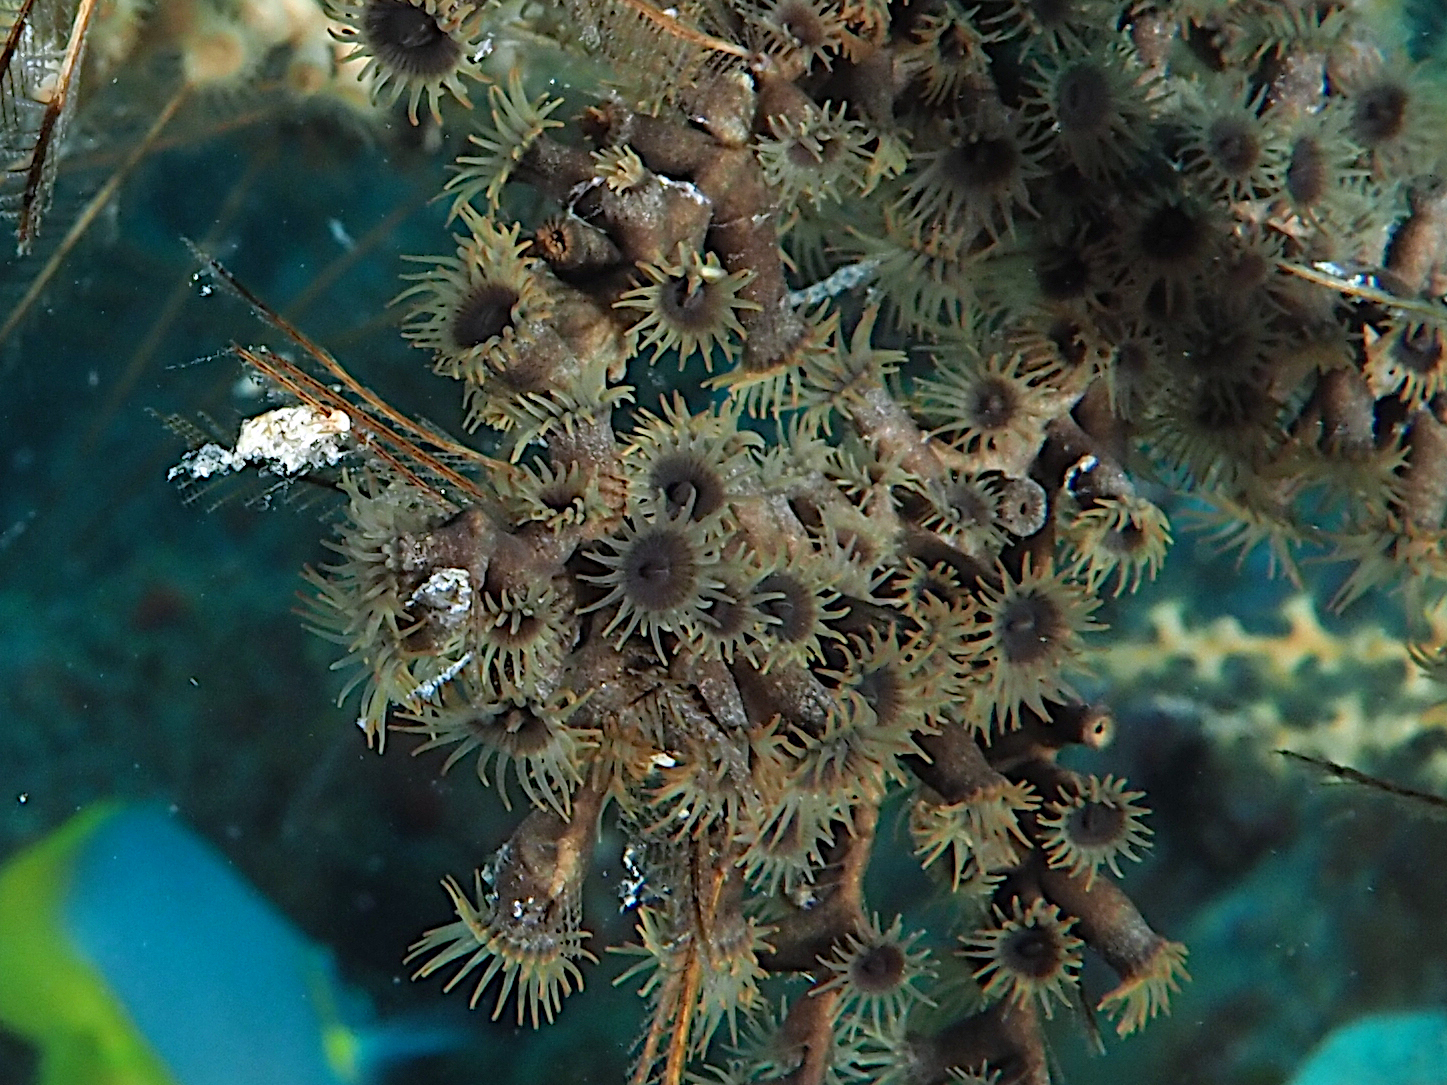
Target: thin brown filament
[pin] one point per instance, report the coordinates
(54, 111)
(1431, 309)
(310, 391)
(175, 300)
(373, 401)
(671, 25)
(12, 40)
(649, 1053)
(88, 215)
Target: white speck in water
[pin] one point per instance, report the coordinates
(248, 386)
(340, 235)
(15, 530)
(23, 798)
(92, 379)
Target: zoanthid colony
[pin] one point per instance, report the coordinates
(960, 293)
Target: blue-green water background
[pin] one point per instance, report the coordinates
(149, 650)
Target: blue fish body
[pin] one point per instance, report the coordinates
(131, 953)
